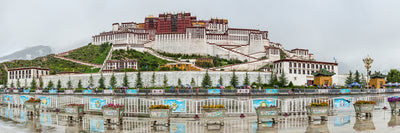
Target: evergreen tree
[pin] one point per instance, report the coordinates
(125, 81)
(349, 79)
(80, 84)
(363, 81)
(50, 84)
(282, 79)
(18, 83)
(234, 80)
(273, 80)
(101, 81)
(91, 80)
(220, 80)
(69, 83)
(290, 84)
(246, 80)
(357, 77)
(206, 80)
(41, 83)
(179, 82)
(259, 81)
(33, 83)
(192, 83)
(153, 79)
(58, 84)
(113, 81)
(26, 83)
(139, 80)
(165, 81)
(12, 84)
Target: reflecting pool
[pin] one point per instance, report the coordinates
(342, 120)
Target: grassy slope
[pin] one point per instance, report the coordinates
(144, 59)
(90, 53)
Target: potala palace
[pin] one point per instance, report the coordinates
(185, 34)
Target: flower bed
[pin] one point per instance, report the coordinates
(214, 113)
(366, 107)
(160, 113)
(394, 104)
(74, 111)
(264, 112)
(32, 106)
(113, 111)
(318, 109)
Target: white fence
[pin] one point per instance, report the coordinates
(191, 106)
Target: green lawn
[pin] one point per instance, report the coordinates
(95, 54)
(144, 59)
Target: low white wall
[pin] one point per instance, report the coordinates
(172, 77)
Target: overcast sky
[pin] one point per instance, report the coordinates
(345, 29)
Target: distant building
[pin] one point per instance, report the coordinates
(121, 64)
(300, 71)
(25, 74)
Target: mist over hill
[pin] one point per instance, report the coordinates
(28, 53)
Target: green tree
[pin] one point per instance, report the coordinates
(179, 82)
(69, 83)
(125, 81)
(246, 80)
(273, 80)
(18, 83)
(363, 81)
(80, 84)
(50, 84)
(290, 84)
(349, 79)
(101, 81)
(40, 82)
(259, 81)
(12, 84)
(206, 80)
(282, 79)
(357, 77)
(113, 81)
(26, 83)
(139, 80)
(393, 76)
(91, 80)
(165, 81)
(58, 84)
(192, 83)
(33, 83)
(220, 80)
(234, 80)
(153, 79)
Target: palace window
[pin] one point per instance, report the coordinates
(290, 64)
(308, 65)
(290, 70)
(294, 71)
(304, 72)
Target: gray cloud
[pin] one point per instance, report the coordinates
(346, 30)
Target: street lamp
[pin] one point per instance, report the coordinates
(368, 61)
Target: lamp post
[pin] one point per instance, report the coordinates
(368, 61)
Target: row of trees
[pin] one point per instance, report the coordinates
(274, 80)
(356, 78)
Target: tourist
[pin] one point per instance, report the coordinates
(177, 89)
(197, 90)
(293, 90)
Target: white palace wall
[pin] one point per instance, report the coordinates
(172, 76)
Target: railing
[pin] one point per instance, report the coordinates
(190, 106)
